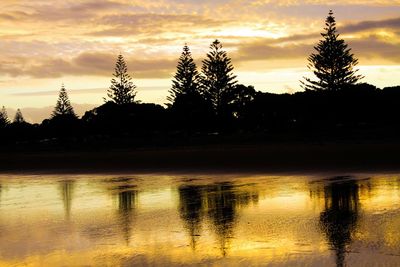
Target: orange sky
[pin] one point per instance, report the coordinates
(46, 43)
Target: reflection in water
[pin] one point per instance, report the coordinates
(167, 221)
(220, 202)
(190, 209)
(127, 197)
(67, 189)
(340, 215)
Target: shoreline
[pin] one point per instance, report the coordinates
(265, 158)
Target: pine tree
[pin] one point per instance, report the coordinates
(218, 79)
(63, 106)
(18, 117)
(333, 63)
(122, 90)
(186, 79)
(4, 121)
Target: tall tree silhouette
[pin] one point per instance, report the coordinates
(218, 79)
(186, 79)
(18, 117)
(4, 121)
(122, 90)
(190, 110)
(333, 63)
(63, 106)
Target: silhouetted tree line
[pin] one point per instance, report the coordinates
(212, 102)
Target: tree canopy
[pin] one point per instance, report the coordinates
(332, 63)
(122, 90)
(18, 117)
(3, 117)
(218, 78)
(63, 105)
(186, 79)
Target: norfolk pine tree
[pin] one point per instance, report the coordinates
(18, 117)
(333, 63)
(190, 109)
(186, 79)
(63, 106)
(122, 90)
(218, 79)
(4, 121)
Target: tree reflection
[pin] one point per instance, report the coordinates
(190, 209)
(67, 190)
(127, 197)
(222, 204)
(125, 194)
(219, 203)
(340, 215)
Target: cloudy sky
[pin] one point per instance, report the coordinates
(48, 42)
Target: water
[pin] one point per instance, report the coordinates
(210, 220)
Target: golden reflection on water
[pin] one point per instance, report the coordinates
(208, 220)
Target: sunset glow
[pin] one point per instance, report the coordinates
(46, 43)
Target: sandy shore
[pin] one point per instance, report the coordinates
(272, 158)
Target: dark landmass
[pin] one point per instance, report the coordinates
(356, 129)
(262, 158)
(360, 112)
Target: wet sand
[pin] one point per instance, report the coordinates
(212, 220)
(266, 158)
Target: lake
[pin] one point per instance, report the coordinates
(212, 220)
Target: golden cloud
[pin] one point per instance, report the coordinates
(92, 64)
(79, 38)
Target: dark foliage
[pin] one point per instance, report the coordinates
(360, 112)
(360, 107)
(22, 132)
(65, 126)
(239, 99)
(18, 117)
(217, 78)
(333, 63)
(19, 128)
(63, 106)
(192, 113)
(122, 90)
(64, 123)
(4, 120)
(125, 119)
(186, 79)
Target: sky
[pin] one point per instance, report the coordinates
(44, 43)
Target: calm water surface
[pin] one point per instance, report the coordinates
(85, 220)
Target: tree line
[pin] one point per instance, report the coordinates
(213, 102)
